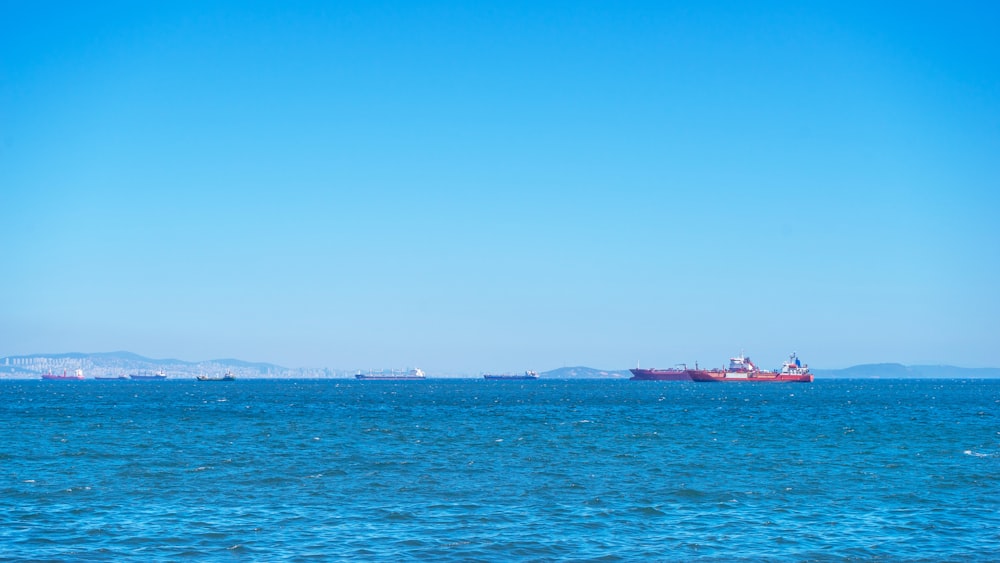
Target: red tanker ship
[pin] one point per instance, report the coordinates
(741, 369)
(679, 373)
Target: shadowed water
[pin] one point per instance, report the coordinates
(478, 470)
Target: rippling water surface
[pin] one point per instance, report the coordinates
(478, 470)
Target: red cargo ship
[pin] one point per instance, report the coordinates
(679, 373)
(77, 376)
(741, 369)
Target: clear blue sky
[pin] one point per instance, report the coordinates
(501, 186)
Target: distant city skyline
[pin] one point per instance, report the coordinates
(466, 187)
(126, 365)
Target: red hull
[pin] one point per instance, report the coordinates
(705, 376)
(51, 377)
(660, 374)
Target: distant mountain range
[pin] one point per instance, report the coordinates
(125, 363)
(900, 371)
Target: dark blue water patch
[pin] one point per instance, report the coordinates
(458, 470)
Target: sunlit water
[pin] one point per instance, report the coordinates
(478, 470)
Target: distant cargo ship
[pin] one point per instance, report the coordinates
(679, 373)
(228, 377)
(111, 377)
(77, 376)
(393, 375)
(741, 369)
(148, 376)
(512, 376)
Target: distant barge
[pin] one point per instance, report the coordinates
(528, 375)
(411, 375)
(148, 376)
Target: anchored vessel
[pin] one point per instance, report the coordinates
(149, 377)
(741, 369)
(520, 376)
(678, 373)
(77, 376)
(412, 375)
(228, 377)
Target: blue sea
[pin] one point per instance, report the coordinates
(473, 470)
